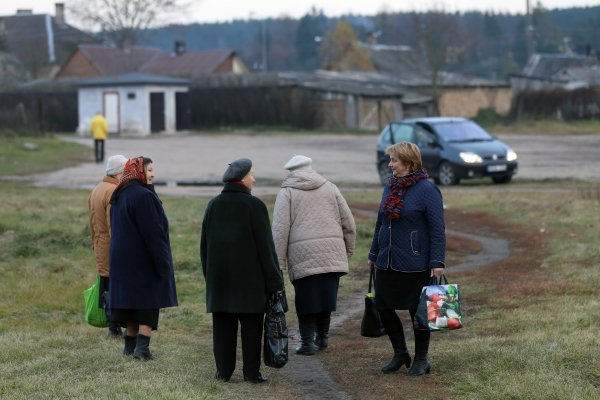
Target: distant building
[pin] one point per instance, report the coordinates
(457, 95)
(89, 61)
(41, 42)
(135, 104)
(549, 71)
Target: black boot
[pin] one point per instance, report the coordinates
(114, 330)
(307, 335)
(421, 365)
(395, 330)
(322, 338)
(129, 345)
(142, 348)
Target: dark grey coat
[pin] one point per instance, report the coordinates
(237, 253)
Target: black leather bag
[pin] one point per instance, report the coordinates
(371, 325)
(275, 346)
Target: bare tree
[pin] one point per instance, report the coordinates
(438, 39)
(122, 21)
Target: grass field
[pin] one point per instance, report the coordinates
(531, 321)
(50, 154)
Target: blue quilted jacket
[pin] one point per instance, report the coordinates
(417, 240)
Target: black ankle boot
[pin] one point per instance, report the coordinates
(397, 361)
(114, 331)
(322, 338)
(307, 335)
(129, 345)
(421, 365)
(142, 348)
(395, 331)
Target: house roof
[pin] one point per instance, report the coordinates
(112, 61)
(405, 66)
(556, 66)
(134, 79)
(40, 37)
(186, 64)
(367, 84)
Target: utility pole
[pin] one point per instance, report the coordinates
(263, 26)
(529, 31)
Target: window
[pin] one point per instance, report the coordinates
(130, 96)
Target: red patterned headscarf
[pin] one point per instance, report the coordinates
(133, 171)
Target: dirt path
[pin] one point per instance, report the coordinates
(309, 373)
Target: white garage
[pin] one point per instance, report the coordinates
(135, 104)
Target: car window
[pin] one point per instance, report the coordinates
(463, 131)
(423, 138)
(402, 133)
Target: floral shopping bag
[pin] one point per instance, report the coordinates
(439, 306)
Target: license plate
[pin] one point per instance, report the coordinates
(496, 168)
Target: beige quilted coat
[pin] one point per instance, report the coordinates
(313, 227)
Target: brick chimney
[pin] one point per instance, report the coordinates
(59, 13)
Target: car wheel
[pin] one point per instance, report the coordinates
(384, 173)
(502, 179)
(447, 174)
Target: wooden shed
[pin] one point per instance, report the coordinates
(135, 104)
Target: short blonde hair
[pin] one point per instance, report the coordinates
(408, 153)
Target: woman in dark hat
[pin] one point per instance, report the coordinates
(240, 267)
(141, 266)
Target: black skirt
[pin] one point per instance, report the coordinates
(395, 290)
(141, 317)
(316, 293)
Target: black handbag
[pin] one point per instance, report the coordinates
(275, 346)
(371, 325)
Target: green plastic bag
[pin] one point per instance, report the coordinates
(94, 315)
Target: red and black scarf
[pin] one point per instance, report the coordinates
(394, 201)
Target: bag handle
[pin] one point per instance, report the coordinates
(371, 278)
(435, 281)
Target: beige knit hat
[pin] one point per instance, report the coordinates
(115, 165)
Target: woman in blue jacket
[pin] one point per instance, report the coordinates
(141, 266)
(408, 248)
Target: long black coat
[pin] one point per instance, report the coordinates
(237, 253)
(141, 265)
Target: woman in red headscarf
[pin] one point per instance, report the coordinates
(141, 266)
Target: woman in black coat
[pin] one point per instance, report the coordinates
(141, 266)
(241, 269)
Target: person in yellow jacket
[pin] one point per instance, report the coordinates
(99, 129)
(99, 216)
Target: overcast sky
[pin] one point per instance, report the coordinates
(225, 10)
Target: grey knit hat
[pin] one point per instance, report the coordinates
(115, 165)
(237, 170)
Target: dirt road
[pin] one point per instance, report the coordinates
(348, 160)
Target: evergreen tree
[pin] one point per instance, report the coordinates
(309, 34)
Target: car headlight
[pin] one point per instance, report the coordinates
(470, 158)
(511, 155)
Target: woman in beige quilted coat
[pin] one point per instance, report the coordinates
(314, 235)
